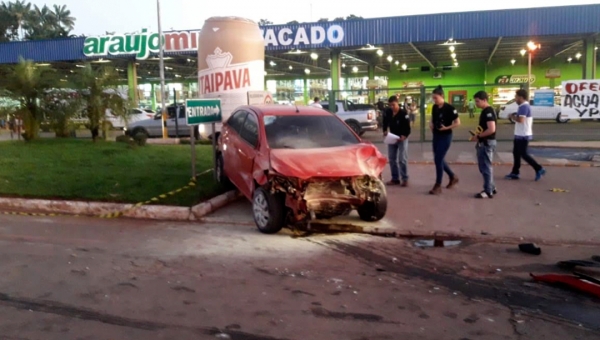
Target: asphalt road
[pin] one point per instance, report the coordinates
(77, 278)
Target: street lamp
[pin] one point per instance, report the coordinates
(532, 47)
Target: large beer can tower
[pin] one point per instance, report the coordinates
(231, 61)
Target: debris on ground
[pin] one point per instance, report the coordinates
(558, 190)
(437, 243)
(530, 248)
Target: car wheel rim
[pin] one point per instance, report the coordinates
(261, 210)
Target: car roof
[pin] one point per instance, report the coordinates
(286, 110)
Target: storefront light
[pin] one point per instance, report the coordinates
(272, 63)
(355, 69)
(533, 46)
(307, 71)
(570, 59)
(523, 51)
(344, 65)
(291, 67)
(451, 48)
(578, 56)
(314, 56)
(379, 53)
(453, 55)
(397, 62)
(390, 58)
(513, 61)
(456, 63)
(329, 61)
(404, 67)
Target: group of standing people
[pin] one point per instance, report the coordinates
(444, 119)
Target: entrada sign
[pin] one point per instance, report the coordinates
(313, 35)
(203, 111)
(141, 44)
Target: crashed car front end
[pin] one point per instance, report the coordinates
(323, 198)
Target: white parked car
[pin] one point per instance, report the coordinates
(134, 116)
(538, 112)
(153, 127)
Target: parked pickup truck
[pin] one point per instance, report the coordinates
(360, 120)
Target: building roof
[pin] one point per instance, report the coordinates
(515, 23)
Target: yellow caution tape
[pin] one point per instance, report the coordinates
(116, 214)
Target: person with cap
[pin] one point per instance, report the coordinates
(444, 118)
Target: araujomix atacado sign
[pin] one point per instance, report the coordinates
(141, 44)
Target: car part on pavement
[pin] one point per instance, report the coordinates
(530, 248)
(574, 263)
(571, 281)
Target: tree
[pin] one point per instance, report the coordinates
(323, 20)
(19, 10)
(353, 17)
(27, 84)
(265, 22)
(9, 29)
(294, 22)
(99, 94)
(59, 106)
(339, 19)
(41, 23)
(63, 17)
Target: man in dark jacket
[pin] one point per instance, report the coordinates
(396, 119)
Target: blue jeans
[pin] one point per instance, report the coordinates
(441, 145)
(398, 157)
(485, 156)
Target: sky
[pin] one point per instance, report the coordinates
(95, 17)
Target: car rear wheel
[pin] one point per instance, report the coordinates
(268, 211)
(354, 126)
(140, 130)
(561, 120)
(375, 210)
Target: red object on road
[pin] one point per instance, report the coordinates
(571, 281)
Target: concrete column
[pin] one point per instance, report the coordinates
(132, 82)
(335, 79)
(371, 72)
(588, 61)
(153, 97)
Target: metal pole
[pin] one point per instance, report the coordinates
(214, 148)
(529, 75)
(162, 73)
(193, 144)
(176, 112)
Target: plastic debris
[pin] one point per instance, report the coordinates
(530, 248)
(558, 190)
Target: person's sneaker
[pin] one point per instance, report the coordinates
(484, 194)
(512, 176)
(404, 184)
(393, 182)
(539, 174)
(495, 192)
(437, 190)
(453, 182)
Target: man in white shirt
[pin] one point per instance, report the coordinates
(523, 134)
(317, 103)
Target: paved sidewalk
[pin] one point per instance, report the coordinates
(523, 209)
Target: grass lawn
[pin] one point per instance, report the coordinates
(105, 171)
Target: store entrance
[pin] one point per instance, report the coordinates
(458, 99)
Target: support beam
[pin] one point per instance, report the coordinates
(422, 55)
(588, 59)
(494, 51)
(296, 63)
(335, 79)
(132, 82)
(306, 91)
(371, 77)
(563, 50)
(153, 97)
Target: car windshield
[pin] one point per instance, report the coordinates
(306, 132)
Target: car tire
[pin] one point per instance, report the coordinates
(268, 211)
(372, 211)
(561, 120)
(355, 126)
(139, 130)
(221, 176)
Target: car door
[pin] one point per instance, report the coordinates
(247, 148)
(230, 141)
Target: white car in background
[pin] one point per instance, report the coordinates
(134, 116)
(538, 112)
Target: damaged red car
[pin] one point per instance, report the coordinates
(297, 164)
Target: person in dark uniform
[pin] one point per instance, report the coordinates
(486, 144)
(444, 118)
(395, 118)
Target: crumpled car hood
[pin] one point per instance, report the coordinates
(345, 161)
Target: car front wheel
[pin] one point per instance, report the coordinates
(268, 211)
(372, 211)
(561, 120)
(221, 176)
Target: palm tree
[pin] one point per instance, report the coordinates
(63, 17)
(9, 28)
(264, 22)
(20, 10)
(99, 94)
(27, 83)
(41, 23)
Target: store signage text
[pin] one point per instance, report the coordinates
(314, 35)
(581, 99)
(514, 79)
(141, 44)
(226, 80)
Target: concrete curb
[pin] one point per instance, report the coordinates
(568, 165)
(35, 207)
